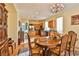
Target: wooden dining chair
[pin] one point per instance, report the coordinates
(71, 42)
(33, 48)
(70, 35)
(54, 35)
(12, 45)
(61, 47)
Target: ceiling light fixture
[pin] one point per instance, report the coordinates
(56, 7)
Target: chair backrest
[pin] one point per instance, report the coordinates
(64, 41)
(54, 35)
(73, 38)
(70, 36)
(44, 33)
(29, 44)
(71, 32)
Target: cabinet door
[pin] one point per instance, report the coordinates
(1, 34)
(52, 24)
(1, 13)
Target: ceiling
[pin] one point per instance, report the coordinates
(38, 10)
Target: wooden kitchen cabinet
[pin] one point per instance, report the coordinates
(52, 24)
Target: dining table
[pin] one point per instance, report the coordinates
(46, 43)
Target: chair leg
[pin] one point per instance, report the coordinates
(8, 51)
(12, 48)
(69, 51)
(48, 52)
(65, 53)
(73, 52)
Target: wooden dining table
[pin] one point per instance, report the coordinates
(46, 43)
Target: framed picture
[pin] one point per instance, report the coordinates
(75, 20)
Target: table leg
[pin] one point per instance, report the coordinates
(47, 52)
(44, 51)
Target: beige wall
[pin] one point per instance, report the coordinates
(12, 21)
(67, 20)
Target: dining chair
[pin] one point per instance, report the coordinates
(61, 47)
(54, 35)
(33, 48)
(44, 33)
(71, 42)
(11, 44)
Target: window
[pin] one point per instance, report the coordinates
(46, 26)
(60, 25)
(24, 27)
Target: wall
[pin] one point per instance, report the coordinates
(12, 21)
(67, 20)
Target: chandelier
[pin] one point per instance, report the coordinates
(56, 7)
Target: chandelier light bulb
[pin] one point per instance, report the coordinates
(56, 7)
